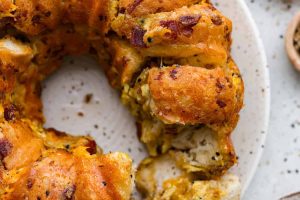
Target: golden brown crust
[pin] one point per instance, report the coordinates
(198, 30)
(6, 8)
(197, 96)
(107, 177)
(61, 140)
(52, 177)
(33, 17)
(188, 95)
(96, 15)
(126, 62)
(55, 171)
(60, 175)
(138, 8)
(19, 142)
(50, 48)
(191, 95)
(196, 24)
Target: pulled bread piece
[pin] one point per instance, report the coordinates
(197, 149)
(189, 112)
(203, 152)
(190, 95)
(58, 166)
(160, 178)
(186, 95)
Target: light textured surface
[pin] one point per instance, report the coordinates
(278, 173)
(105, 118)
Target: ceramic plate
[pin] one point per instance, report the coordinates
(77, 99)
(248, 52)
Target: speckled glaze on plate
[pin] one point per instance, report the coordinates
(249, 54)
(77, 99)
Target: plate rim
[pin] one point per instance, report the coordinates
(267, 102)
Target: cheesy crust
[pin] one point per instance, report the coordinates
(171, 62)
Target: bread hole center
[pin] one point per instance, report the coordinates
(78, 99)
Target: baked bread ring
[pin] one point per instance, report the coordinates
(169, 60)
(47, 164)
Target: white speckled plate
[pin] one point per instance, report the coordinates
(114, 129)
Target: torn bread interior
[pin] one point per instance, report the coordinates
(160, 178)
